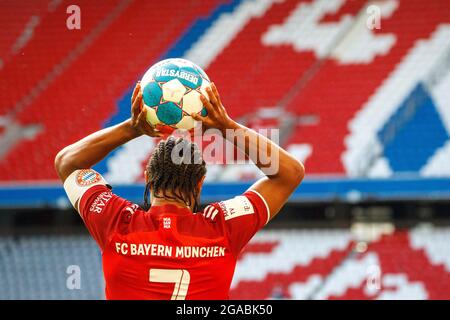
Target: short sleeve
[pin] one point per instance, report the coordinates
(97, 205)
(243, 216)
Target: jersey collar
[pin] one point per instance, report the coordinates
(169, 209)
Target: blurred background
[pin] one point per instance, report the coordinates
(360, 91)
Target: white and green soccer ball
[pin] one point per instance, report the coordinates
(171, 92)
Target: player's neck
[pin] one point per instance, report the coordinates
(163, 202)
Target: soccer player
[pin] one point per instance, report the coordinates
(170, 251)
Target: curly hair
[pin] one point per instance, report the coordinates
(176, 166)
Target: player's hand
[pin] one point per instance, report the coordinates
(139, 115)
(217, 117)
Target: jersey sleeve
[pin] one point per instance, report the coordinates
(99, 208)
(243, 216)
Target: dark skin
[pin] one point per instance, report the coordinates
(88, 151)
(275, 187)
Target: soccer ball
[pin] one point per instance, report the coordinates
(171, 92)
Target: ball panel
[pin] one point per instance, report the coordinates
(151, 116)
(192, 102)
(147, 78)
(173, 91)
(169, 113)
(165, 72)
(151, 94)
(190, 77)
(186, 123)
(202, 73)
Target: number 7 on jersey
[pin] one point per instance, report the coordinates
(179, 277)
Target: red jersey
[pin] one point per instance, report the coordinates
(167, 252)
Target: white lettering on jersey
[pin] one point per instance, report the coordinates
(100, 202)
(159, 250)
(236, 207)
(167, 222)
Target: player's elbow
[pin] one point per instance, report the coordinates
(291, 173)
(297, 172)
(59, 162)
(62, 164)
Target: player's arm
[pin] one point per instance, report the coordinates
(276, 187)
(86, 152)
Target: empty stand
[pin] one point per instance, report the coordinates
(93, 68)
(39, 267)
(402, 265)
(295, 264)
(57, 85)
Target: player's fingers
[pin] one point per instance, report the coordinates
(137, 103)
(141, 102)
(136, 90)
(145, 126)
(133, 105)
(198, 117)
(216, 92)
(151, 131)
(211, 96)
(200, 122)
(207, 104)
(142, 117)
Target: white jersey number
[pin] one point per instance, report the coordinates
(179, 277)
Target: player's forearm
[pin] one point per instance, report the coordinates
(88, 151)
(270, 158)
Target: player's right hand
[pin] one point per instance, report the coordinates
(139, 115)
(217, 117)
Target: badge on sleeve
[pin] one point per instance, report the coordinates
(79, 181)
(87, 177)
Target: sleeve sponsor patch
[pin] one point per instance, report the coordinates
(236, 207)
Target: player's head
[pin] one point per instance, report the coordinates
(175, 171)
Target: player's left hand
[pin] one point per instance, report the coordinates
(139, 115)
(217, 117)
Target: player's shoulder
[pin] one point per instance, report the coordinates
(251, 202)
(89, 193)
(210, 212)
(81, 182)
